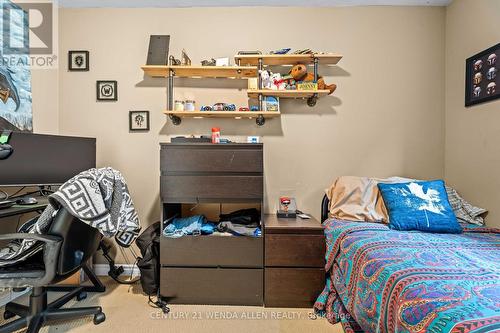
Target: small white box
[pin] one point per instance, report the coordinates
(222, 62)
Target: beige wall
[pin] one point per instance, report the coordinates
(472, 156)
(386, 118)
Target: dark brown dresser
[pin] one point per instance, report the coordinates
(294, 273)
(211, 269)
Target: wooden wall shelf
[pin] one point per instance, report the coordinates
(287, 59)
(240, 72)
(223, 114)
(287, 93)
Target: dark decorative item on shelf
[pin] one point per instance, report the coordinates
(481, 79)
(158, 49)
(281, 51)
(78, 61)
(303, 51)
(210, 62)
(185, 60)
(107, 90)
(138, 121)
(299, 73)
(173, 61)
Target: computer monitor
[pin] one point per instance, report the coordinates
(40, 159)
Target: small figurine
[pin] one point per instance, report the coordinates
(224, 107)
(186, 61)
(206, 108)
(278, 83)
(265, 78)
(210, 62)
(254, 108)
(243, 109)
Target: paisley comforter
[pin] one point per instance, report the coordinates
(383, 280)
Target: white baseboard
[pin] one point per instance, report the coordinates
(103, 269)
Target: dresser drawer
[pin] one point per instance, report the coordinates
(293, 287)
(192, 189)
(211, 158)
(212, 251)
(212, 286)
(288, 250)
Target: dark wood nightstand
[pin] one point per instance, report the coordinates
(294, 260)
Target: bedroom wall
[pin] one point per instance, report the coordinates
(385, 119)
(472, 153)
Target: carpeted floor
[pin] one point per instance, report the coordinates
(127, 310)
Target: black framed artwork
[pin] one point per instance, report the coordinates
(78, 61)
(138, 121)
(481, 79)
(107, 90)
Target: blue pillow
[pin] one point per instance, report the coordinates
(420, 206)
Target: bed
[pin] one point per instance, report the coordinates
(383, 280)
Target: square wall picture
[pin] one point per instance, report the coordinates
(481, 79)
(138, 121)
(107, 90)
(78, 61)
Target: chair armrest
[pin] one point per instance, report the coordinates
(38, 237)
(52, 245)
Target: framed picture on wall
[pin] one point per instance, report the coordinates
(138, 121)
(78, 61)
(107, 90)
(481, 76)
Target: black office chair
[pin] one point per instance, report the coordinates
(67, 247)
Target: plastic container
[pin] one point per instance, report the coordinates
(215, 135)
(179, 106)
(189, 105)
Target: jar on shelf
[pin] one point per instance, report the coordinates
(189, 105)
(179, 106)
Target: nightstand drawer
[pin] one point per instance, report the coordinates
(193, 189)
(293, 287)
(211, 158)
(287, 250)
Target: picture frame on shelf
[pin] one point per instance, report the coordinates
(138, 121)
(271, 104)
(107, 90)
(481, 76)
(78, 61)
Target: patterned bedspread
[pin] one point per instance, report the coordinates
(383, 280)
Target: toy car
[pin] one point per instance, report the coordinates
(254, 108)
(206, 108)
(224, 107)
(243, 109)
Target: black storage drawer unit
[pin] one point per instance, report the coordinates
(211, 158)
(214, 251)
(225, 286)
(211, 269)
(210, 188)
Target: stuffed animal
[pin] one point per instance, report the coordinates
(278, 83)
(299, 73)
(265, 77)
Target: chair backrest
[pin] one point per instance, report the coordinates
(80, 241)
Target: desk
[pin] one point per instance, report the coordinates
(23, 209)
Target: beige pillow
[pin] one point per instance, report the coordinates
(358, 198)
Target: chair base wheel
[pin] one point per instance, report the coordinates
(8, 315)
(99, 318)
(81, 296)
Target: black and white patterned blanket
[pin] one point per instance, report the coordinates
(98, 197)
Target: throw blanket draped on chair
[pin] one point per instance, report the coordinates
(98, 197)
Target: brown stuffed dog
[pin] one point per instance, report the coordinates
(299, 73)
